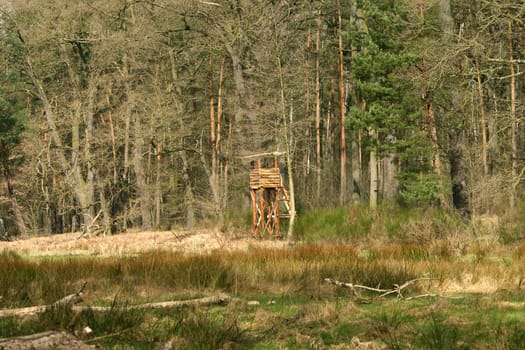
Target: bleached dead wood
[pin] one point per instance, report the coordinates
(396, 289)
(55, 340)
(68, 300)
(72, 299)
(213, 300)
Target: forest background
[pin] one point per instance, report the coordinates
(141, 113)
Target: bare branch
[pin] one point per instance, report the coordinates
(396, 289)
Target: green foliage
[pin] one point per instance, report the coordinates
(206, 330)
(513, 335)
(13, 109)
(120, 321)
(12, 114)
(388, 325)
(420, 190)
(57, 317)
(334, 224)
(438, 335)
(388, 222)
(512, 225)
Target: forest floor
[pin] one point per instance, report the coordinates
(198, 241)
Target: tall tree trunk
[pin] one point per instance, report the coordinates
(447, 22)
(457, 148)
(212, 172)
(514, 121)
(458, 174)
(212, 129)
(158, 186)
(189, 198)
(429, 109)
(374, 179)
(318, 108)
(357, 167)
(307, 151)
(330, 116)
(389, 184)
(88, 156)
(223, 190)
(483, 121)
(342, 110)
(245, 129)
(106, 212)
(140, 174)
(288, 139)
(19, 219)
(112, 133)
(432, 133)
(127, 133)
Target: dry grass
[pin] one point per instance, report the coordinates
(192, 242)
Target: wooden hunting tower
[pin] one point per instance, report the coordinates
(267, 193)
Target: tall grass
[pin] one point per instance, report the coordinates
(388, 223)
(298, 270)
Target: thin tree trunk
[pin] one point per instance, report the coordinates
(458, 174)
(342, 110)
(357, 167)
(245, 129)
(227, 156)
(158, 189)
(189, 198)
(432, 132)
(19, 219)
(112, 133)
(307, 152)
(514, 121)
(127, 128)
(318, 154)
(374, 179)
(330, 115)
(140, 174)
(212, 129)
(223, 191)
(288, 139)
(106, 212)
(212, 173)
(483, 121)
(430, 117)
(88, 156)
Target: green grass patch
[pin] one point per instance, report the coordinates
(388, 222)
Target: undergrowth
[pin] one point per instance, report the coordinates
(296, 308)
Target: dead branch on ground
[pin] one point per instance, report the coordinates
(56, 340)
(68, 300)
(396, 289)
(72, 299)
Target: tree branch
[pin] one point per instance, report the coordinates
(396, 289)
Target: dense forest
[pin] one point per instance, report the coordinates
(143, 113)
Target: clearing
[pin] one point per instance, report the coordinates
(195, 242)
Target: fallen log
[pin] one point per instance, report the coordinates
(68, 300)
(72, 299)
(45, 341)
(213, 300)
